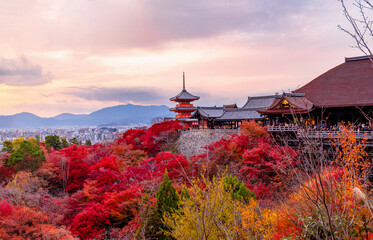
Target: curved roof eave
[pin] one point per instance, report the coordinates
(184, 95)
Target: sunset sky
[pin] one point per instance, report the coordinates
(82, 55)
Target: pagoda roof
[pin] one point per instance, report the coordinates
(184, 95)
(260, 102)
(239, 114)
(346, 85)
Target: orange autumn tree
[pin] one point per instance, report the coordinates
(253, 130)
(353, 158)
(328, 199)
(257, 222)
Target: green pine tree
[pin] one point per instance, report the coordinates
(238, 189)
(167, 202)
(167, 196)
(88, 142)
(74, 141)
(53, 141)
(7, 147)
(29, 156)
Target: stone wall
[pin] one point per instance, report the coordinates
(191, 142)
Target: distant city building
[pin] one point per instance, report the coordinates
(93, 134)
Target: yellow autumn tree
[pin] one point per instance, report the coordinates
(256, 222)
(17, 142)
(207, 211)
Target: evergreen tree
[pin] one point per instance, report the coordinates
(167, 196)
(29, 156)
(53, 141)
(7, 146)
(74, 141)
(64, 143)
(167, 202)
(88, 142)
(238, 189)
(184, 194)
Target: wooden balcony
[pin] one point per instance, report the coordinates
(337, 134)
(317, 134)
(282, 128)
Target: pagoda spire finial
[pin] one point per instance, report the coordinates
(183, 81)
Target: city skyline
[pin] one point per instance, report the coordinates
(80, 56)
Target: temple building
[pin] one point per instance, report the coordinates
(288, 107)
(230, 116)
(184, 107)
(342, 94)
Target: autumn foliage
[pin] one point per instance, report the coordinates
(139, 187)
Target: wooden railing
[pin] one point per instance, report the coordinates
(282, 128)
(318, 134)
(337, 134)
(227, 130)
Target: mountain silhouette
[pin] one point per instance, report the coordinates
(111, 116)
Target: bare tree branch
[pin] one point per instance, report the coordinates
(361, 23)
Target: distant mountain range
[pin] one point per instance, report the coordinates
(121, 115)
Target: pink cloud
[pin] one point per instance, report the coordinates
(229, 49)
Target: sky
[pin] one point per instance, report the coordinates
(79, 56)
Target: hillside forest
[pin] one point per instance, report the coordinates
(245, 186)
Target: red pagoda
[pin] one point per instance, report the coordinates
(184, 107)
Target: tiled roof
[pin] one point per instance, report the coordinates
(212, 112)
(349, 84)
(230, 106)
(260, 102)
(239, 114)
(183, 108)
(184, 95)
(300, 104)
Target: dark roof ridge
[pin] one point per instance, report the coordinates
(253, 109)
(294, 94)
(359, 58)
(214, 107)
(238, 109)
(232, 104)
(263, 96)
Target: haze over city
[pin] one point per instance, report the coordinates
(80, 56)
